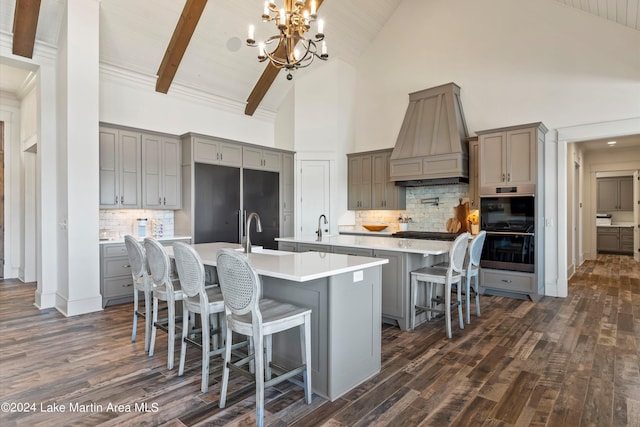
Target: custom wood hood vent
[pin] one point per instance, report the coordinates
(432, 144)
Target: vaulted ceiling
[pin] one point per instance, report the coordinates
(135, 34)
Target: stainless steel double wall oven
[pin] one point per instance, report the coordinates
(508, 217)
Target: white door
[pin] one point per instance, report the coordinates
(314, 195)
(636, 216)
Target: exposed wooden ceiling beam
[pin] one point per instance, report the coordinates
(268, 76)
(178, 45)
(25, 24)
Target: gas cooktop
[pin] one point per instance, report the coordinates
(426, 235)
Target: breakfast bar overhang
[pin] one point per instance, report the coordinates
(344, 294)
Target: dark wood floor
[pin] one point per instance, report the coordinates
(572, 361)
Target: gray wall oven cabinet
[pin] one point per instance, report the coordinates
(474, 190)
(510, 169)
(369, 182)
(615, 240)
(161, 173)
(509, 156)
(615, 194)
(116, 284)
(120, 168)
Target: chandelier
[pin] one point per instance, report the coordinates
(290, 49)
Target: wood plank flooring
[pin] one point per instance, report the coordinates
(562, 361)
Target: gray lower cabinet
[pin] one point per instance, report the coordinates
(502, 282)
(287, 246)
(116, 284)
(394, 285)
(626, 239)
(615, 239)
(312, 247)
(352, 251)
(396, 280)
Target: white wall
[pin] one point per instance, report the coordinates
(131, 100)
(516, 61)
(324, 116)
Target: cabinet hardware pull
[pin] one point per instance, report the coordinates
(126, 266)
(507, 281)
(502, 177)
(159, 200)
(509, 177)
(164, 201)
(116, 200)
(129, 285)
(121, 199)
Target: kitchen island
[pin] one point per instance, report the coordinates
(404, 256)
(344, 295)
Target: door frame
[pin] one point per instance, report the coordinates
(558, 285)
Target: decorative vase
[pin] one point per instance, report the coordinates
(404, 226)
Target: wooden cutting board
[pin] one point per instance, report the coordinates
(460, 213)
(453, 225)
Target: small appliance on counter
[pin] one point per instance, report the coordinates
(603, 219)
(142, 227)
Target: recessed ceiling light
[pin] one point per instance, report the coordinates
(611, 143)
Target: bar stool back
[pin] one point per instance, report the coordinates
(247, 314)
(141, 283)
(434, 275)
(164, 288)
(197, 299)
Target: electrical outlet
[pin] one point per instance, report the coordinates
(358, 276)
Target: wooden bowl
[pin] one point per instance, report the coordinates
(375, 227)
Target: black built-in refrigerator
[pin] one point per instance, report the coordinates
(220, 217)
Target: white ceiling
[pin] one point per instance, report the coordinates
(622, 143)
(134, 35)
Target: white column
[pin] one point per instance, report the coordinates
(78, 214)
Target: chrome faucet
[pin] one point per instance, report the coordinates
(247, 241)
(319, 231)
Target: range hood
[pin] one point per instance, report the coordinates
(432, 146)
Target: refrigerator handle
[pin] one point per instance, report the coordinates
(242, 216)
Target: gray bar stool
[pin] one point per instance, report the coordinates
(141, 283)
(247, 314)
(430, 276)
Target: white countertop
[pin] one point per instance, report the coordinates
(140, 239)
(415, 246)
(618, 224)
(298, 267)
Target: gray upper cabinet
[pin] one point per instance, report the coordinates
(214, 151)
(161, 172)
(120, 168)
(369, 184)
(257, 158)
(615, 194)
(507, 156)
(474, 193)
(359, 186)
(385, 194)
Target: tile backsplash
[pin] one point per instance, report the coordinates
(425, 216)
(119, 222)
